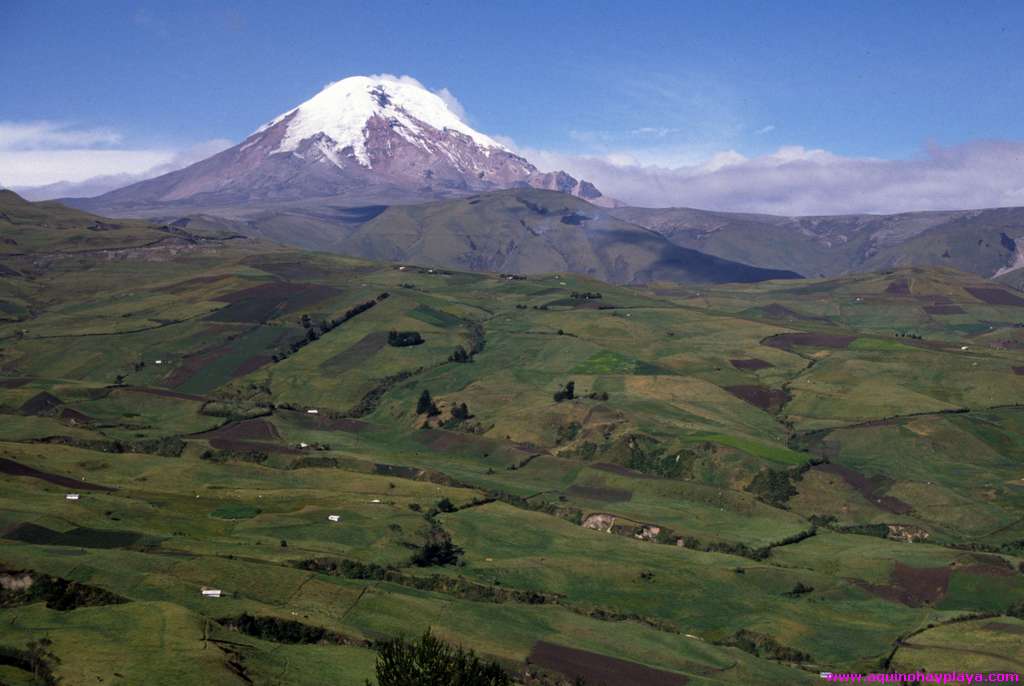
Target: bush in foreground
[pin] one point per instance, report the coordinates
(429, 661)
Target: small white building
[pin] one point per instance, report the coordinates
(312, 411)
(334, 518)
(211, 592)
(71, 496)
(303, 445)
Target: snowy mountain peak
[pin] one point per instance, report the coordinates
(343, 109)
(362, 140)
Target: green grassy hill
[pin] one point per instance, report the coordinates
(521, 230)
(731, 484)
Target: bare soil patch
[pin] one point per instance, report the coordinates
(270, 300)
(416, 474)
(352, 426)
(602, 493)
(787, 341)
(80, 537)
(943, 309)
(454, 441)
(777, 311)
(988, 570)
(751, 364)
(446, 441)
(398, 471)
(194, 364)
(898, 287)
(41, 403)
(13, 468)
(868, 487)
(762, 397)
(358, 353)
(995, 296)
(74, 416)
(252, 364)
(600, 670)
(247, 430)
(912, 586)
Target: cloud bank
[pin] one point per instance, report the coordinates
(45, 159)
(798, 181)
(66, 165)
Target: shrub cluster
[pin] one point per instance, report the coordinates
(404, 339)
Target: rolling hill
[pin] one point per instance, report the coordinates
(524, 230)
(984, 242)
(744, 483)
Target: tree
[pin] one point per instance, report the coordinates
(460, 355)
(567, 392)
(429, 661)
(461, 412)
(41, 659)
(402, 339)
(425, 405)
(773, 486)
(438, 551)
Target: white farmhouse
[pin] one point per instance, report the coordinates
(334, 518)
(211, 592)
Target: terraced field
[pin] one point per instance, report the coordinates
(737, 485)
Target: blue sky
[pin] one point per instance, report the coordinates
(670, 84)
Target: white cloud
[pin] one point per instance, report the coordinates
(765, 129)
(453, 103)
(795, 180)
(34, 135)
(37, 165)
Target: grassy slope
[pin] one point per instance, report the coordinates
(662, 354)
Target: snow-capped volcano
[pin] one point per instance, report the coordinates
(376, 139)
(342, 109)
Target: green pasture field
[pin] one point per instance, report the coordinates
(714, 500)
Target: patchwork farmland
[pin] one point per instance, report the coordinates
(740, 484)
